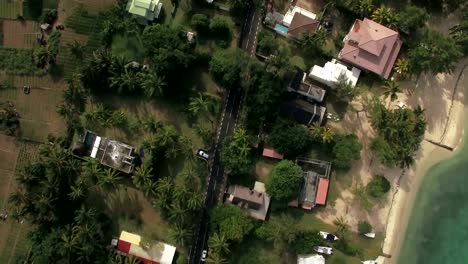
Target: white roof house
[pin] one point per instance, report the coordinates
(331, 72)
(149, 9)
(310, 259)
(288, 17)
(130, 244)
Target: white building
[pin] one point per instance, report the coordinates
(331, 72)
(310, 259)
(288, 17)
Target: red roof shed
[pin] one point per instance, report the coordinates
(322, 191)
(271, 153)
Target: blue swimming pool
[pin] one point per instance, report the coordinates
(281, 28)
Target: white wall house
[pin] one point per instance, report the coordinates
(331, 72)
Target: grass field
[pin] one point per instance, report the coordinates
(128, 46)
(13, 155)
(11, 8)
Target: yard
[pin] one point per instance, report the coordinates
(11, 9)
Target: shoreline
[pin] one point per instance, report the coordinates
(429, 155)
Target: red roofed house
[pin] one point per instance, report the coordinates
(371, 46)
(130, 244)
(271, 153)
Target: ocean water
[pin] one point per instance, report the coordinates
(438, 227)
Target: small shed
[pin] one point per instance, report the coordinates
(271, 153)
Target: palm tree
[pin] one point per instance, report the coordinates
(166, 135)
(215, 258)
(327, 135)
(149, 188)
(149, 124)
(126, 81)
(77, 192)
(419, 112)
(341, 224)
(199, 104)
(85, 215)
(194, 201)
(76, 49)
(180, 234)
(315, 130)
(141, 176)
(402, 67)
(151, 83)
(391, 89)
(109, 179)
(218, 243)
(164, 185)
(385, 16)
(310, 42)
(177, 213)
(42, 56)
(365, 7)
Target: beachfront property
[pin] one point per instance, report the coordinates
(310, 259)
(314, 189)
(371, 46)
(147, 9)
(253, 201)
(299, 85)
(303, 112)
(333, 72)
(111, 153)
(294, 24)
(129, 244)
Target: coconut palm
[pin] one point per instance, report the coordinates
(419, 112)
(218, 243)
(391, 90)
(42, 56)
(164, 185)
(194, 201)
(215, 258)
(341, 224)
(315, 130)
(141, 175)
(77, 192)
(151, 83)
(327, 135)
(127, 81)
(402, 67)
(385, 16)
(177, 212)
(200, 104)
(180, 234)
(85, 215)
(149, 124)
(365, 7)
(109, 179)
(76, 49)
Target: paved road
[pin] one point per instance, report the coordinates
(226, 127)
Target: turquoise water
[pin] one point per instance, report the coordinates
(438, 227)
(280, 28)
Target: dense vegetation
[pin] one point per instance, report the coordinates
(9, 119)
(290, 138)
(18, 61)
(285, 181)
(235, 153)
(378, 186)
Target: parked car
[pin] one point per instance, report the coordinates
(328, 236)
(203, 154)
(324, 250)
(204, 255)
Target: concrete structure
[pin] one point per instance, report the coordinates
(310, 259)
(295, 23)
(148, 9)
(371, 46)
(255, 202)
(298, 84)
(314, 189)
(295, 10)
(331, 73)
(303, 112)
(108, 152)
(131, 244)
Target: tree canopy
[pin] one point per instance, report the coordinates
(305, 241)
(347, 148)
(235, 153)
(290, 138)
(284, 181)
(281, 230)
(229, 221)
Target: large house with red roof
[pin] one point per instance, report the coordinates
(131, 244)
(371, 47)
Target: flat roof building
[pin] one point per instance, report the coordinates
(148, 9)
(254, 201)
(303, 112)
(299, 85)
(331, 73)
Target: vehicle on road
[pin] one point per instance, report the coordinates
(203, 154)
(370, 235)
(324, 250)
(328, 236)
(204, 255)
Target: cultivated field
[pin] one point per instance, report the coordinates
(20, 34)
(13, 155)
(11, 8)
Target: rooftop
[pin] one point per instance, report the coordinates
(299, 85)
(296, 10)
(256, 201)
(303, 111)
(331, 73)
(159, 253)
(302, 24)
(148, 9)
(371, 46)
(310, 259)
(271, 153)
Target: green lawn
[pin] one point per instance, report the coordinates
(10, 9)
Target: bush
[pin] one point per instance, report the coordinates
(304, 242)
(219, 26)
(200, 22)
(17, 61)
(49, 16)
(280, 138)
(267, 44)
(54, 43)
(378, 186)
(347, 148)
(32, 9)
(284, 181)
(364, 227)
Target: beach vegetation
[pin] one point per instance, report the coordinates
(400, 132)
(229, 221)
(347, 149)
(235, 153)
(282, 140)
(341, 224)
(364, 227)
(378, 186)
(284, 181)
(434, 54)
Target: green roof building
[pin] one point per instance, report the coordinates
(149, 9)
